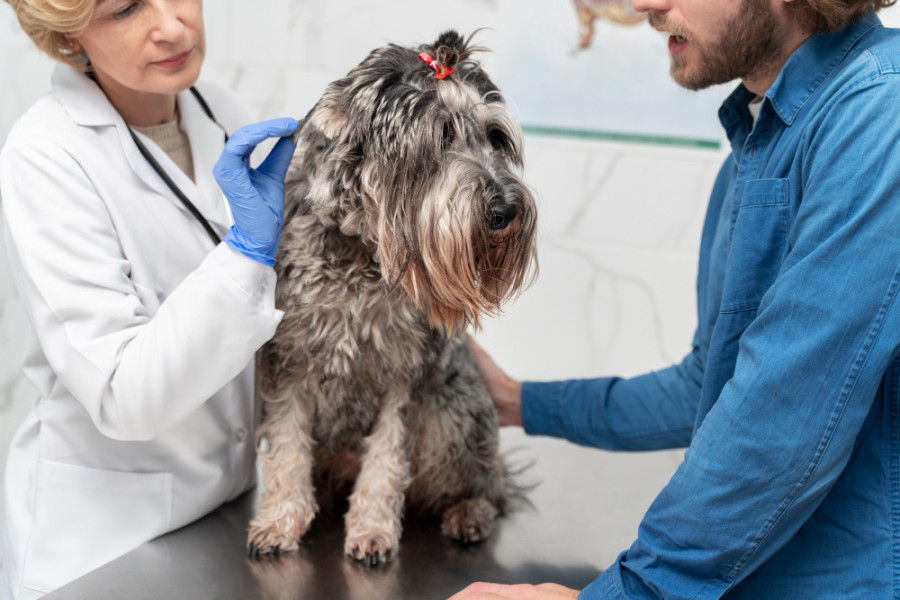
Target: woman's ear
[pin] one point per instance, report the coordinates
(71, 43)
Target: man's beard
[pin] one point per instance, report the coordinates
(748, 45)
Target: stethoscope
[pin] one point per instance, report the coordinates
(168, 180)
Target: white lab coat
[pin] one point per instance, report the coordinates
(143, 336)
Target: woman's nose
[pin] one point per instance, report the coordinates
(168, 26)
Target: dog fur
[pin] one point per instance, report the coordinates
(406, 221)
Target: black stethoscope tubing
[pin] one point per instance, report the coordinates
(168, 180)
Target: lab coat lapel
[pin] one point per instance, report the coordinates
(87, 105)
(207, 141)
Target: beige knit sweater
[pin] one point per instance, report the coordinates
(173, 142)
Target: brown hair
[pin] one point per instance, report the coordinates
(48, 21)
(824, 16)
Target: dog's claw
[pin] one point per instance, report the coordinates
(371, 560)
(255, 552)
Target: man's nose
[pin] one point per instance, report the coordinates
(651, 5)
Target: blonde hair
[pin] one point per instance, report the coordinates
(48, 21)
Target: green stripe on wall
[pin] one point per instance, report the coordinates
(612, 136)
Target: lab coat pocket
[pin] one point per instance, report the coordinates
(759, 243)
(85, 517)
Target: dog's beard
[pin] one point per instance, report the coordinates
(451, 264)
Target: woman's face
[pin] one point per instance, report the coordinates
(141, 48)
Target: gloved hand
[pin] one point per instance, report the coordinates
(256, 195)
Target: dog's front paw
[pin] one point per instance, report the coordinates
(271, 534)
(371, 546)
(469, 521)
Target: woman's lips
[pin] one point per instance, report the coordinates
(173, 62)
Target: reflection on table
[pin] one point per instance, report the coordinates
(585, 509)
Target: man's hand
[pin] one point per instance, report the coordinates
(493, 591)
(505, 391)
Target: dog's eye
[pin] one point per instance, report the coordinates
(499, 140)
(448, 136)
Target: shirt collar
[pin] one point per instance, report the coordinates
(85, 102)
(806, 69)
(803, 73)
(811, 64)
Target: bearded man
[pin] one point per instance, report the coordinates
(789, 403)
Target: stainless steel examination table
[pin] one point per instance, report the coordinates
(585, 509)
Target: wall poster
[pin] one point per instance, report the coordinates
(596, 69)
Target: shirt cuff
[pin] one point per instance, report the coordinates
(602, 588)
(256, 279)
(540, 408)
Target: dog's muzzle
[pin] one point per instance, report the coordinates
(500, 213)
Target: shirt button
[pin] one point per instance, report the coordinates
(241, 434)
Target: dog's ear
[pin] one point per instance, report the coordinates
(330, 113)
(328, 118)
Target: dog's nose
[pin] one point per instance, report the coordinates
(500, 214)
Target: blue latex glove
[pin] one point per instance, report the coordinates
(256, 195)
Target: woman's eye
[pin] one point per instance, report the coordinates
(124, 12)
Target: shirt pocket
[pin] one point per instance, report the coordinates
(758, 244)
(85, 517)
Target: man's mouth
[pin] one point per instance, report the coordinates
(677, 43)
(662, 25)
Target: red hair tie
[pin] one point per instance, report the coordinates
(441, 70)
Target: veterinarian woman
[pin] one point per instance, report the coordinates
(143, 325)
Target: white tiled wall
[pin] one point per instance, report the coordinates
(620, 224)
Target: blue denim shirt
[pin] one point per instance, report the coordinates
(790, 399)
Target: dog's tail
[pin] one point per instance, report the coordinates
(517, 482)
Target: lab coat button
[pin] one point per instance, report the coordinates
(241, 434)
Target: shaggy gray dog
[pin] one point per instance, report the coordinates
(406, 220)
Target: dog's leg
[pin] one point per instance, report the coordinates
(376, 505)
(457, 450)
(482, 478)
(288, 504)
(470, 520)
